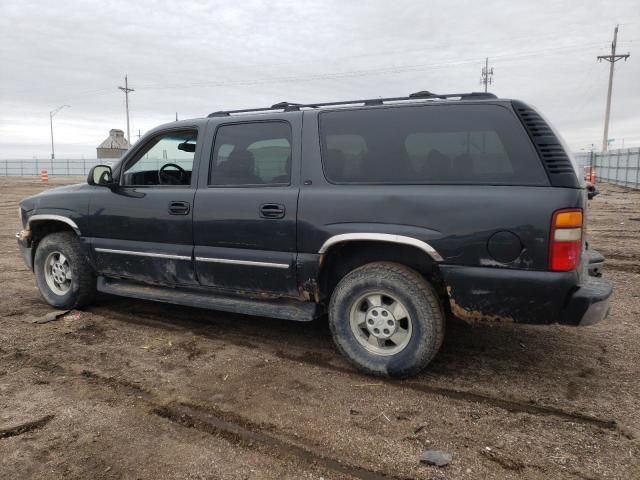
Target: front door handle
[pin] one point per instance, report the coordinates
(272, 210)
(179, 208)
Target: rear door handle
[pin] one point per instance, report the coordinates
(272, 210)
(179, 208)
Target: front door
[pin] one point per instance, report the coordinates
(142, 229)
(245, 208)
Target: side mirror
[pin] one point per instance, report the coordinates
(100, 175)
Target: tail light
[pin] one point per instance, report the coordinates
(565, 244)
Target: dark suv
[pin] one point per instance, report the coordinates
(387, 214)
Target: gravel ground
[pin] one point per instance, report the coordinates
(134, 389)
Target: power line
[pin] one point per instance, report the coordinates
(363, 72)
(349, 74)
(346, 74)
(612, 59)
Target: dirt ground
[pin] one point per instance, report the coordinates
(134, 389)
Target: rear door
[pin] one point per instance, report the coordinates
(246, 206)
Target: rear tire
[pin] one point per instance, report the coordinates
(63, 274)
(386, 319)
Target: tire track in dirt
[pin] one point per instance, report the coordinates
(237, 430)
(209, 423)
(517, 406)
(622, 267)
(208, 419)
(322, 359)
(25, 427)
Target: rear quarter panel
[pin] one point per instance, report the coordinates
(457, 220)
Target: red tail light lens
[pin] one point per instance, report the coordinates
(565, 244)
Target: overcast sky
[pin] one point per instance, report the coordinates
(195, 57)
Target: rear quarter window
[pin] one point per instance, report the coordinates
(432, 144)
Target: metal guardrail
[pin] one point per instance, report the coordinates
(57, 167)
(621, 166)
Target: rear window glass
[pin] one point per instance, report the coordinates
(428, 144)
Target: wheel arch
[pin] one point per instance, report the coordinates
(343, 253)
(41, 225)
(46, 220)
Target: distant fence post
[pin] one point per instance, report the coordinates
(638, 168)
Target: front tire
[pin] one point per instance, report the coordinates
(386, 319)
(63, 274)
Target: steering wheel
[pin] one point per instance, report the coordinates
(166, 179)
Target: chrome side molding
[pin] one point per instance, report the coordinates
(142, 254)
(242, 262)
(382, 237)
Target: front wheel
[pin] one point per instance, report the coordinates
(386, 319)
(63, 274)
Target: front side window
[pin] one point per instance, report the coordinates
(428, 145)
(252, 154)
(166, 160)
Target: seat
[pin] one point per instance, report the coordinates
(238, 169)
(463, 167)
(334, 165)
(436, 167)
(286, 177)
(388, 165)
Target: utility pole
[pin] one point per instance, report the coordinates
(51, 115)
(487, 74)
(176, 116)
(612, 59)
(126, 91)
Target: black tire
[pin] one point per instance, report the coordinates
(420, 302)
(82, 288)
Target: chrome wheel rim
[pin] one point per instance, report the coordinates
(381, 323)
(57, 273)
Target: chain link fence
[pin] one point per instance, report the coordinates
(59, 166)
(621, 166)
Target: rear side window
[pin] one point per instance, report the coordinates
(474, 144)
(256, 153)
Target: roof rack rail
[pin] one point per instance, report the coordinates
(462, 96)
(421, 95)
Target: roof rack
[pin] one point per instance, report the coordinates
(422, 95)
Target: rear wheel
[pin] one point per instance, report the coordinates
(386, 319)
(63, 274)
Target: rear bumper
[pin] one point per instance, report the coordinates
(595, 262)
(589, 304)
(25, 246)
(520, 296)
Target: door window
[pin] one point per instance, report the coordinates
(166, 160)
(257, 154)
